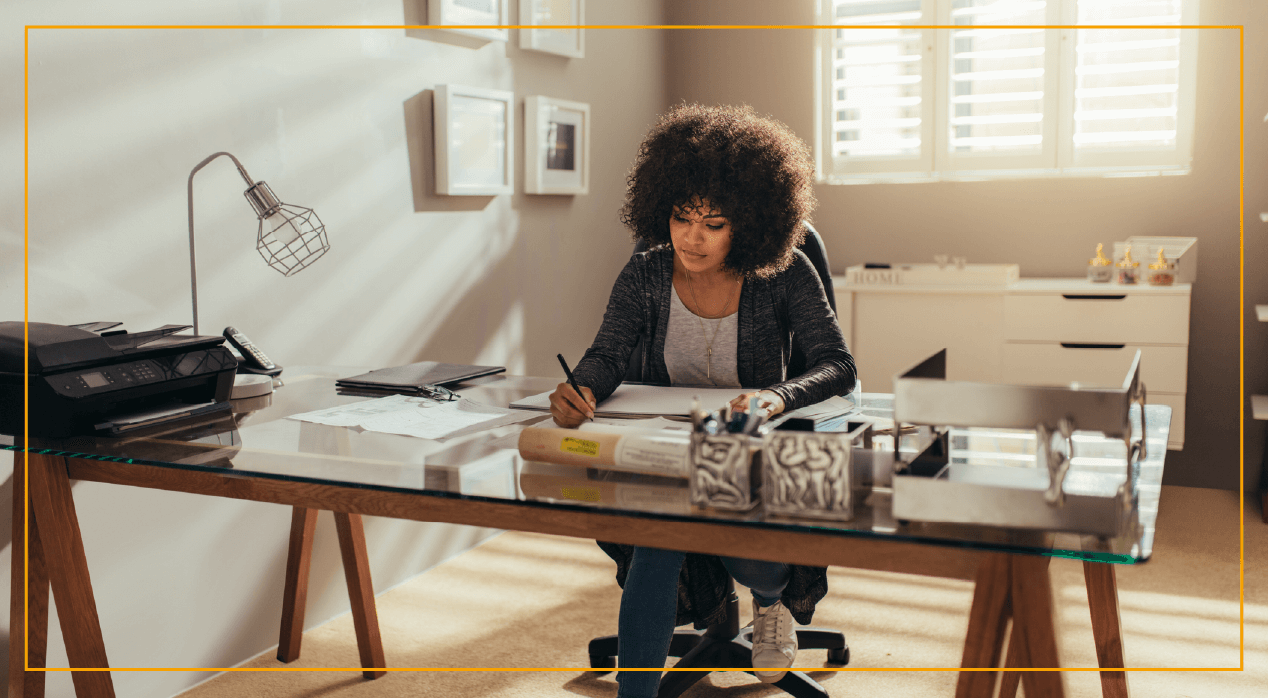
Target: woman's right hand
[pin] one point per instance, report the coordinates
(570, 409)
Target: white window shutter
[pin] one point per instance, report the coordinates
(879, 96)
(1132, 104)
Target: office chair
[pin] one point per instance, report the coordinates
(726, 644)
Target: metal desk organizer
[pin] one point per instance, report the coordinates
(724, 471)
(808, 473)
(1089, 498)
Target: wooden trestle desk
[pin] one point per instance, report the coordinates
(312, 467)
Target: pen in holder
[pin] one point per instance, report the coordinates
(722, 471)
(807, 473)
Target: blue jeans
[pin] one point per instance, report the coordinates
(649, 606)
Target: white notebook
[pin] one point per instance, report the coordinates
(646, 401)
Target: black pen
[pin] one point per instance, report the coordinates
(571, 381)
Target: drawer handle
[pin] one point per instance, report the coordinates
(1092, 297)
(1081, 345)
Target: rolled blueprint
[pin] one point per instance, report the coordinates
(634, 450)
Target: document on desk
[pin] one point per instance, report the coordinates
(416, 416)
(646, 401)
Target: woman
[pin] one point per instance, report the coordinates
(719, 195)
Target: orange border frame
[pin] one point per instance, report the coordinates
(1241, 269)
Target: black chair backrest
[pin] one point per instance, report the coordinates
(818, 255)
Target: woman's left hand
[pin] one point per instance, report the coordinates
(768, 400)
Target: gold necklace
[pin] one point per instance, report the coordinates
(708, 342)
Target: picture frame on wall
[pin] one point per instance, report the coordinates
(563, 42)
(556, 146)
(474, 136)
(458, 12)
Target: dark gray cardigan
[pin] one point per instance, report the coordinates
(771, 311)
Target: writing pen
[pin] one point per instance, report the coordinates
(571, 381)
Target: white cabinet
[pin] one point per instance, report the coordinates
(1031, 332)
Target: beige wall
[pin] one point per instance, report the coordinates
(339, 120)
(1048, 226)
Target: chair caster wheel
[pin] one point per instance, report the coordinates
(840, 656)
(602, 664)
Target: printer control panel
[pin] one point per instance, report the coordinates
(101, 379)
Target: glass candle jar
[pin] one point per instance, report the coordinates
(1127, 269)
(1100, 269)
(1162, 272)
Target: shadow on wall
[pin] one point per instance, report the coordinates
(421, 141)
(475, 319)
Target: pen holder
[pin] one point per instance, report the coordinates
(808, 473)
(722, 471)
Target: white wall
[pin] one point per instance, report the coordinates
(338, 120)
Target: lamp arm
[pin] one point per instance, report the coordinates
(193, 267)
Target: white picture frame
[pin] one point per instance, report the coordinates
(474, 138)
(571, 42)
(556, 146)
(449, 12)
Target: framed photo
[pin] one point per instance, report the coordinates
(474, 141)
(565, 42)
(443, 12)
(556, 146)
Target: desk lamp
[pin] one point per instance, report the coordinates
(289, 237)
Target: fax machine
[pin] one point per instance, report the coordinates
(79, 379)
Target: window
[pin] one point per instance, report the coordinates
(1002, 95)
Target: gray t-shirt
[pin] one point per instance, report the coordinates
(687, 343)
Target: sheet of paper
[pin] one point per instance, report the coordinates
(647, 400)
(653, 424)
(834, 405)
(416, 416)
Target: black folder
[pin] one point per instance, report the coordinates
(415, 376)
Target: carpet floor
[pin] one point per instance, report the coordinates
(526, 600)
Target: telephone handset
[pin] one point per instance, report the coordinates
(254, 360)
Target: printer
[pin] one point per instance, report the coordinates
(79, 379)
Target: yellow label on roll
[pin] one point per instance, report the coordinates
(581, 494)
(582, 447)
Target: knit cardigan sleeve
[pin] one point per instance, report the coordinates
(604, 363)
(830, 368)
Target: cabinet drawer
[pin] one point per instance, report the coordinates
(1109, 317)
(1175, 438)
(894, 331)
(1163, 369)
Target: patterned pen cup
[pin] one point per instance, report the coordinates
(808, 473)
(723, 471)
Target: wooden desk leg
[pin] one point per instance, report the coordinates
(988, 618)
(26, 684)
(356, 569)
(1102, 597)
(58, 526)
(1011, 679)
(295, 593)
(1034, 626)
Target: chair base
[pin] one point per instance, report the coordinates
(727, 645)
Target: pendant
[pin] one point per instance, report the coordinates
(708, 372)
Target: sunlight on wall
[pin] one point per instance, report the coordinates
(506, 345)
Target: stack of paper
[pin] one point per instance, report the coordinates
(646, 401)
(417, 416)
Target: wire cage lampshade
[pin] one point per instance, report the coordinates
(290, 237)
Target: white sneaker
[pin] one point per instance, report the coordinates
(774, 641)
